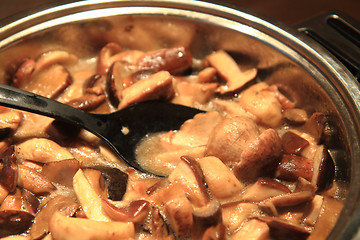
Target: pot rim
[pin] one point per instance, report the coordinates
(329, 72)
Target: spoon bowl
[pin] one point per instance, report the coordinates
(121, 130)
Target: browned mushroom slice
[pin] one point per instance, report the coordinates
(9, 170)
(61, 172)
(33, 181)
(116, 182)
(87, 102)
(282, 229)
(50, 82)
(23, 74)
(60, 203)
(136, 212)
(292, 143)
(105, 55)
(295, 116)
(324, 169)
(30, 201)
(173, 60)
(228, 69)
(194, 132)
(13, 201)
(54, 57)
(260, 157)
(42, 150)
(157, 86)
(315, 126)
(220, 180)
(230, 137)
(206, 75)
(264, 188)
(205, 217)
(291, 167)
(253, 229)
(14, 222)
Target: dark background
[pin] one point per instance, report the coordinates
(290, 12)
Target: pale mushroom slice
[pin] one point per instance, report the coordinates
(253, 229)
(34, 181)
(67, 228)
(194, 132)
(200, 93)
(9, 123)
(61, 172)
(228, 70)
(41, 150)
(157, 86)
(89, 199)
(220, 180)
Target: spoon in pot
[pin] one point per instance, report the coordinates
(121, 130)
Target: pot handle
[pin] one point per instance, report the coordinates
(339, 34)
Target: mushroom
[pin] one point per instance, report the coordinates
(230, 137)
(228, 70)
(61, 172)
(260, 157)
(282, 229)
(314, 211)
(9, 170)
(206, 75)
(14, 222)
(158, 227)
(42, 150)
(23, 73)
(315, 126)
(292, 143)
(220, 180)
(136, 212)
(33, 181)
(157, 86)
(9, 123)
(87, 102)
(215, 232)
(292, 167)
(173, 60)
(65, 205)
(295, 116)
(198, 92)
(264, 188)
(253, 229)
(285, 102)
(63, 227)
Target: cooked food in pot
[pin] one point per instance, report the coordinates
(253, 166)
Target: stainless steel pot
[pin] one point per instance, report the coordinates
(281, 54)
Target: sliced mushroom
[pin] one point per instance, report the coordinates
(315, 126)
(42, 150)
(62, 228)
(87, 102)
(232, 107)
(292, 167)
(18, 237)
(235, 214)
(205, 217)
(9, 170)
(179, 212)
(54, 57)
(295, 116)
(314, 211)
(285, 102)
(61, 172)
(215, 232)
(199, 92)
(14, 222)
(228, 70)
(230, 137)
(253, 229)
(190, 176)
(3, 193)
(65, 205)
(23, 74)
(96, 180)
(292, 143)
(50, 82)
(158, 227)
(88, 198)
(206, 75)
(282, 229)
(105, 57)
(173, 60)
(13, 201)
(324, 169)
(136, 212)
(220, 180)
(9, 123)
(260, 157)
(194, 132)
(263, 104)
(264, 188)
(157, 86)
(34, 181)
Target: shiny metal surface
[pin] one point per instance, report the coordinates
(280, 54)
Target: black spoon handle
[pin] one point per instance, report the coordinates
(22, 100)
